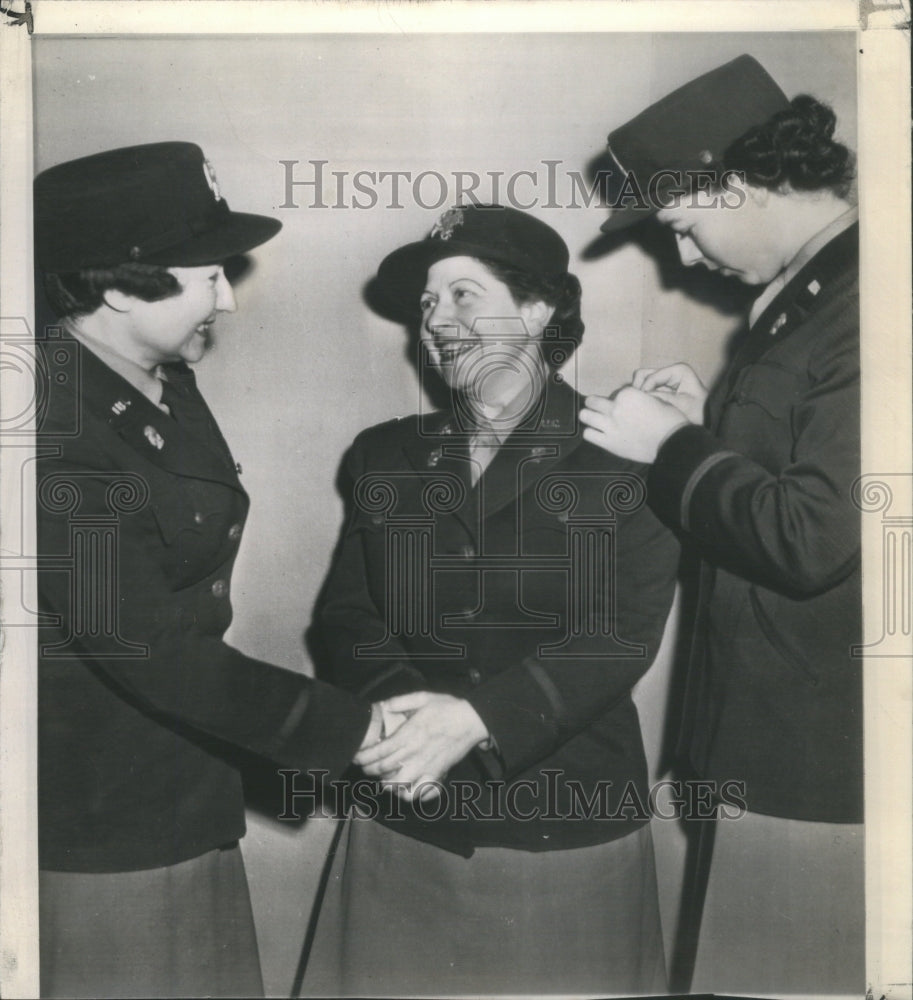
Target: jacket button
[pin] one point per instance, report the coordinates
(234, 532)
(219, 588)
(475, 676)
(198, 518)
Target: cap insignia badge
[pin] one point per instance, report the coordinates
(445, 225)
(211, 180)
(153, 437)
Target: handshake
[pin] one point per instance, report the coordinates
(414, 739)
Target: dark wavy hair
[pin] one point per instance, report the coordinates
(562, 293)
(78, 293)
(794, 148)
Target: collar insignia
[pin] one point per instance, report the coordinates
(778, 324)
(120, 406)
(153, 437)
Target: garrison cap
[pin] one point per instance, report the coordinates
(152, 204)
(488, 232)
(687, 131)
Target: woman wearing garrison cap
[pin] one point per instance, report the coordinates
(474, 587)
(144, 712)
(758, 476)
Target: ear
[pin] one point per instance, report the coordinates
(536, 315)
(118, 301)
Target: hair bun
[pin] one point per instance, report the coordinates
(794, 148)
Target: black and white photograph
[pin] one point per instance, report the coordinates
(457, 499)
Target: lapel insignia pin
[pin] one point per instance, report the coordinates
(120, 406)
(778, 324)
(815, 287)
(153, 437)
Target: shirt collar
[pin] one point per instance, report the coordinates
(149, 383)
(805, 254)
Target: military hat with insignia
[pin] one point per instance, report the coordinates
(486, 232)
(152, 204)
(685, 133)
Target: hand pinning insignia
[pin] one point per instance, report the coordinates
(153, 437)
(444, 227)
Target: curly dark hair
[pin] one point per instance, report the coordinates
(78, 293)
(794, 148)
(562, 293)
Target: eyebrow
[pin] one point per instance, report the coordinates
(455, 281)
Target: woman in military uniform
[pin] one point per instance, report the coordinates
(502, 582)
(144, 712)
(759, 477)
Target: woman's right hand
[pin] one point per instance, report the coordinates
(677, 384)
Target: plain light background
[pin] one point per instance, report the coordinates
(305, 363)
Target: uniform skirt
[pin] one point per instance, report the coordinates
(785, 909)
(186, 930)
(405, 918)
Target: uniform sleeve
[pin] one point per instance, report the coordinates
(538, 704)
(796, 530)
(179, 668)
(349, 616)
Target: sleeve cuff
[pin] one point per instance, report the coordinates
(682, 460)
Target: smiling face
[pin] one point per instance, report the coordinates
(179, 327)
(479, 339)
(740, 241)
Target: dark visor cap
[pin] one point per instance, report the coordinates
(681, 139)
(154, 204)
(486, 232)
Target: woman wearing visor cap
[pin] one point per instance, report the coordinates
(145, 714)
(501, 582)
(759, 476)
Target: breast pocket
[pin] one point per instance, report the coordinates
(200, 524)
(758, 416)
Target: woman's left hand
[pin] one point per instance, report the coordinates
(439, 731)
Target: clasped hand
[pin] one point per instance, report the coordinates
(425, 734)
(636, 421)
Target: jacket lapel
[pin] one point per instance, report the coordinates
(790, 309)
(533, 449)
(151, 432)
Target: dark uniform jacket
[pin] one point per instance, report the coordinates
(774, 692)
(540, 596)
(141, 703)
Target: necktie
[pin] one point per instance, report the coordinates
(173, 399)
(482, 449)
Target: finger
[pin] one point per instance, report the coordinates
(383, 750)
(592, 418)
(407, 702)
(391, 720)
(597, 437)
(601, 404)
(640, 374)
